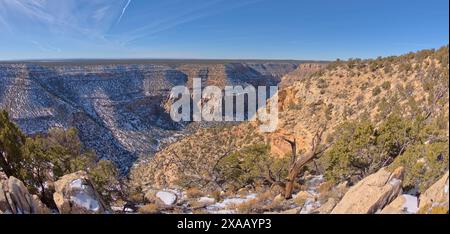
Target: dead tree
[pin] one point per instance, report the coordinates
(298, 164)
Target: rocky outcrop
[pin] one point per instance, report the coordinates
(436, 196)
(15, 199)
(303, 71)
(75, 194)
(372, 193)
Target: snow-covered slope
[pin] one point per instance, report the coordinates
(117, 109)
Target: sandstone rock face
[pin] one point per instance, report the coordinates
(15, 199)
(372, 193)
(403, 204)
(301, 72)
(76, 195)
(436, 195)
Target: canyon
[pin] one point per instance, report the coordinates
(120, 108)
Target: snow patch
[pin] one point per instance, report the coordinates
(395, 182)
(206, 200)
(77, 184)
(82, 199)
(411, 204)
(220, 207)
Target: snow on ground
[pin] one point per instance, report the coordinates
(411, 204)
(395, 182)
(82, 198)
(206, 200)
(77, 184)
(221, 207)
(311, 203)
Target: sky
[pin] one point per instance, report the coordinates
(220, 29)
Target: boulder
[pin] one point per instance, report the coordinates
(167, 197)
(15, 199)
(278, 198)
(403, 204)
(75, 194)
(435, 196)
(327, 207)
(372, 193)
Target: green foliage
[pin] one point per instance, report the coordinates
(60, 152)
(386, 85)
(62, 149)
(11, 141)
(361, 148)
(322, 84)
(249, 165)
(46, 157)
(376, 91)
(424, 164)
(340, 161)
(104, 177)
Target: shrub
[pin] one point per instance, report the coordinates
(249, 165)
(322, 84)
(340, 161)
(376, 91)
(149, 209)
(11, 141)
(424, 164)
(359, 99)
(46, 157)
(361, 149)
(194, 193)
(386, 85)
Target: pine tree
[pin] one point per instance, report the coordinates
(11, 141)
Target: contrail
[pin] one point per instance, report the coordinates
(123, 11)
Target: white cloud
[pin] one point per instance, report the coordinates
(123, 11)
(76, 16)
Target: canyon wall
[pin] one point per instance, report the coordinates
(118, 109)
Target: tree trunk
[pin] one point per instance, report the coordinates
(298, 164)
(5, 166)
(294, 171)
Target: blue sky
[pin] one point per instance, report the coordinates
(222, 29)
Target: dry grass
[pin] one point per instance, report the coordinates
(149, 209)
(299, 201)
(194, 193)
(263, 202)
(249, 206)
